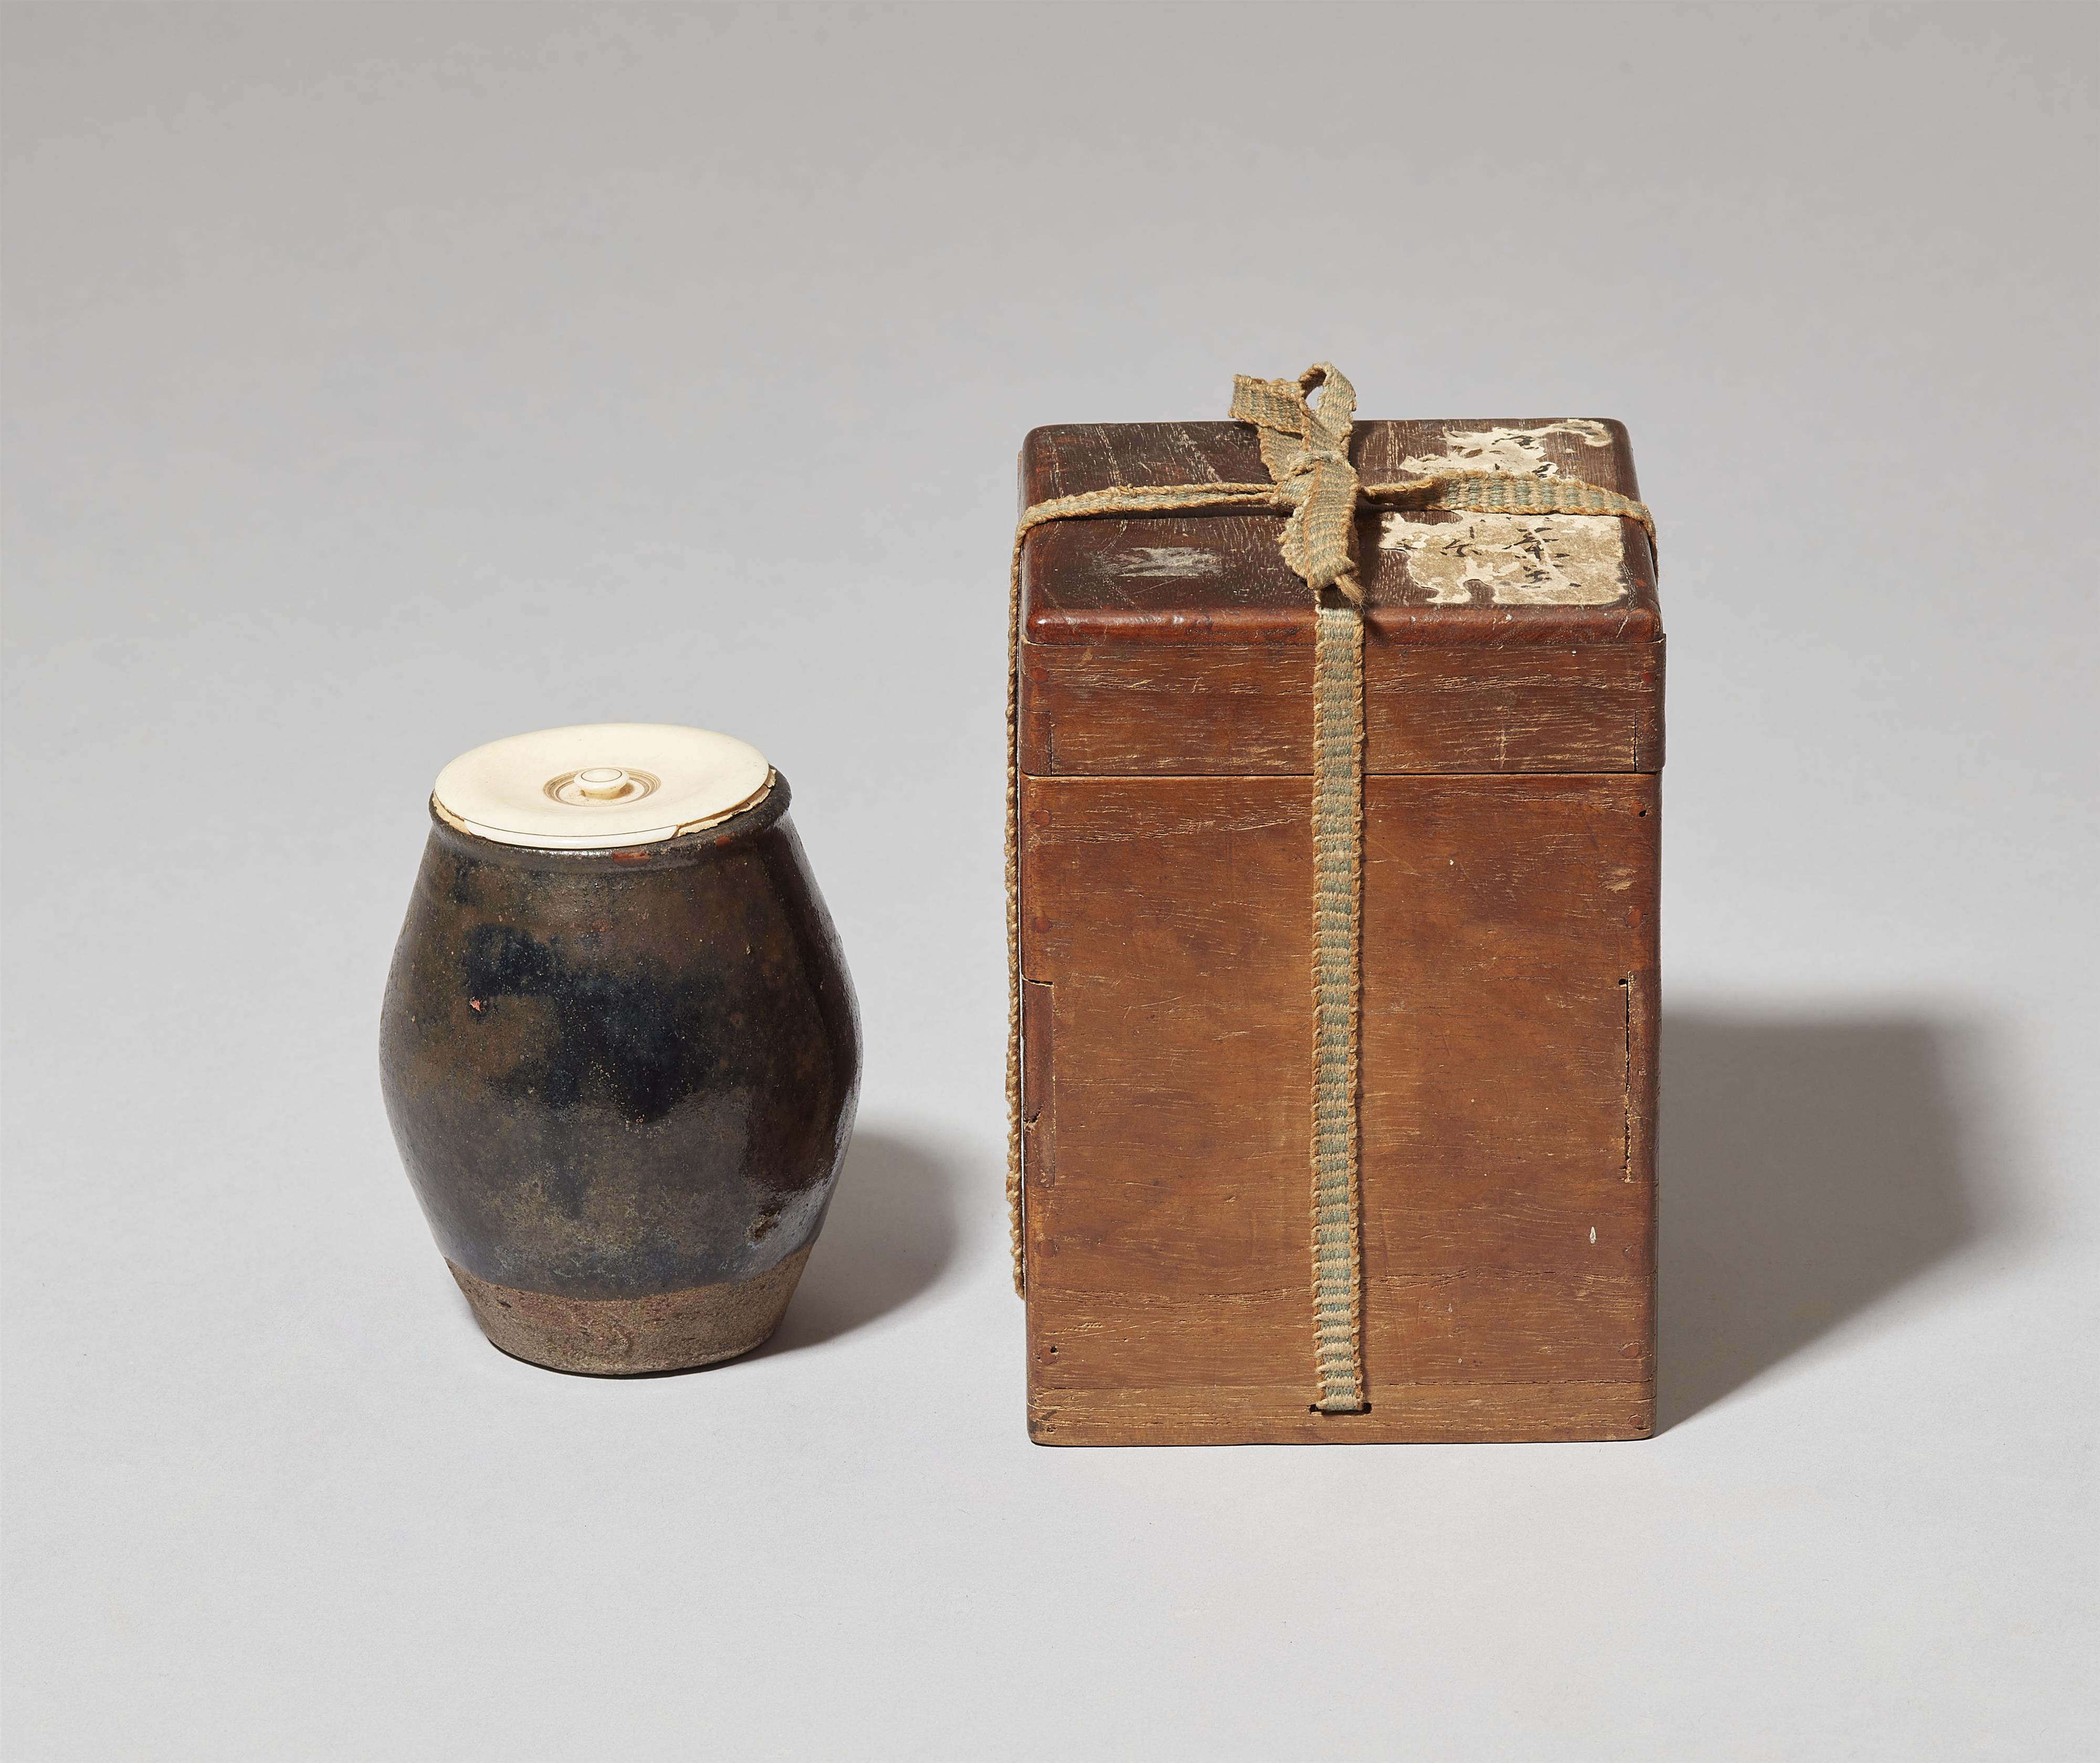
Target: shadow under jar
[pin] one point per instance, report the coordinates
(619, 1048)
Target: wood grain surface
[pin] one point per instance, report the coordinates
(1070, 458)
(1509, 951)
(1126, 709)
(1221, 578)
(1509, 970)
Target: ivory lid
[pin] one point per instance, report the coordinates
(600, 785)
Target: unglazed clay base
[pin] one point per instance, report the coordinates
(624, 1336)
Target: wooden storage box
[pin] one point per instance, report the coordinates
(1513, 705)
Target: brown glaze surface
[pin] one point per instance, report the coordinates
(617, 1075)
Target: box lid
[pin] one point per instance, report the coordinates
(600, 786)
(1429, 577)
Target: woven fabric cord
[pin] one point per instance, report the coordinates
(1305, 449)
(1338, 824)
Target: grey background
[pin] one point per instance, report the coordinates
(382, 380)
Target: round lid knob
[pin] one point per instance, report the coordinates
(601, 785)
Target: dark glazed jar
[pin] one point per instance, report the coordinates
(621, 1059)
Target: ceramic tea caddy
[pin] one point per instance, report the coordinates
(619, 1047)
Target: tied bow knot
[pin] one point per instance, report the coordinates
(1305, 448)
